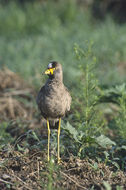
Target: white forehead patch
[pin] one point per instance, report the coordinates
(50, 65)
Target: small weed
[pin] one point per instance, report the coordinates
(50, 174)
(5, 137)
(121, 117)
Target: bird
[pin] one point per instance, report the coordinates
(54, 100)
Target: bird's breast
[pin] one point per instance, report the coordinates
(51, 103)
(54, 101)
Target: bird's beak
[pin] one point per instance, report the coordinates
(49, 71)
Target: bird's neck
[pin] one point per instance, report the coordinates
(56, 79)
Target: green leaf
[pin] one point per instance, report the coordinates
(71, 131)
(123, 147)
(35, 136)
(116, 165)
(20, 148)
(94, 166)
(119, 188)
(104, 141)
(106, 185)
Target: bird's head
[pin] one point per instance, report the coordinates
(54, 70)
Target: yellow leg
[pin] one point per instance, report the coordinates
(58, 153)
(48, 137)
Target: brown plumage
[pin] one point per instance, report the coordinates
(53, 98)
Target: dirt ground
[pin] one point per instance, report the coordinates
(31, 171)
(28, 169)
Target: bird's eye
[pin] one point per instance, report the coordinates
(50, 65)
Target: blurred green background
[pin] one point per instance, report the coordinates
(32, 33)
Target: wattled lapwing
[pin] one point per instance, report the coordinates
(54, 99)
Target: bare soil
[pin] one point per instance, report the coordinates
(31, 171)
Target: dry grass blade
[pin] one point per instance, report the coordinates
(76, 183)
(6, 182)
(25, 184)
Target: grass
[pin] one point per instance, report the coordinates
(50, 33)
(94, 132)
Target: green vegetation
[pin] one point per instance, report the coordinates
(49, 31)
(93, 55)
(4, 136)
